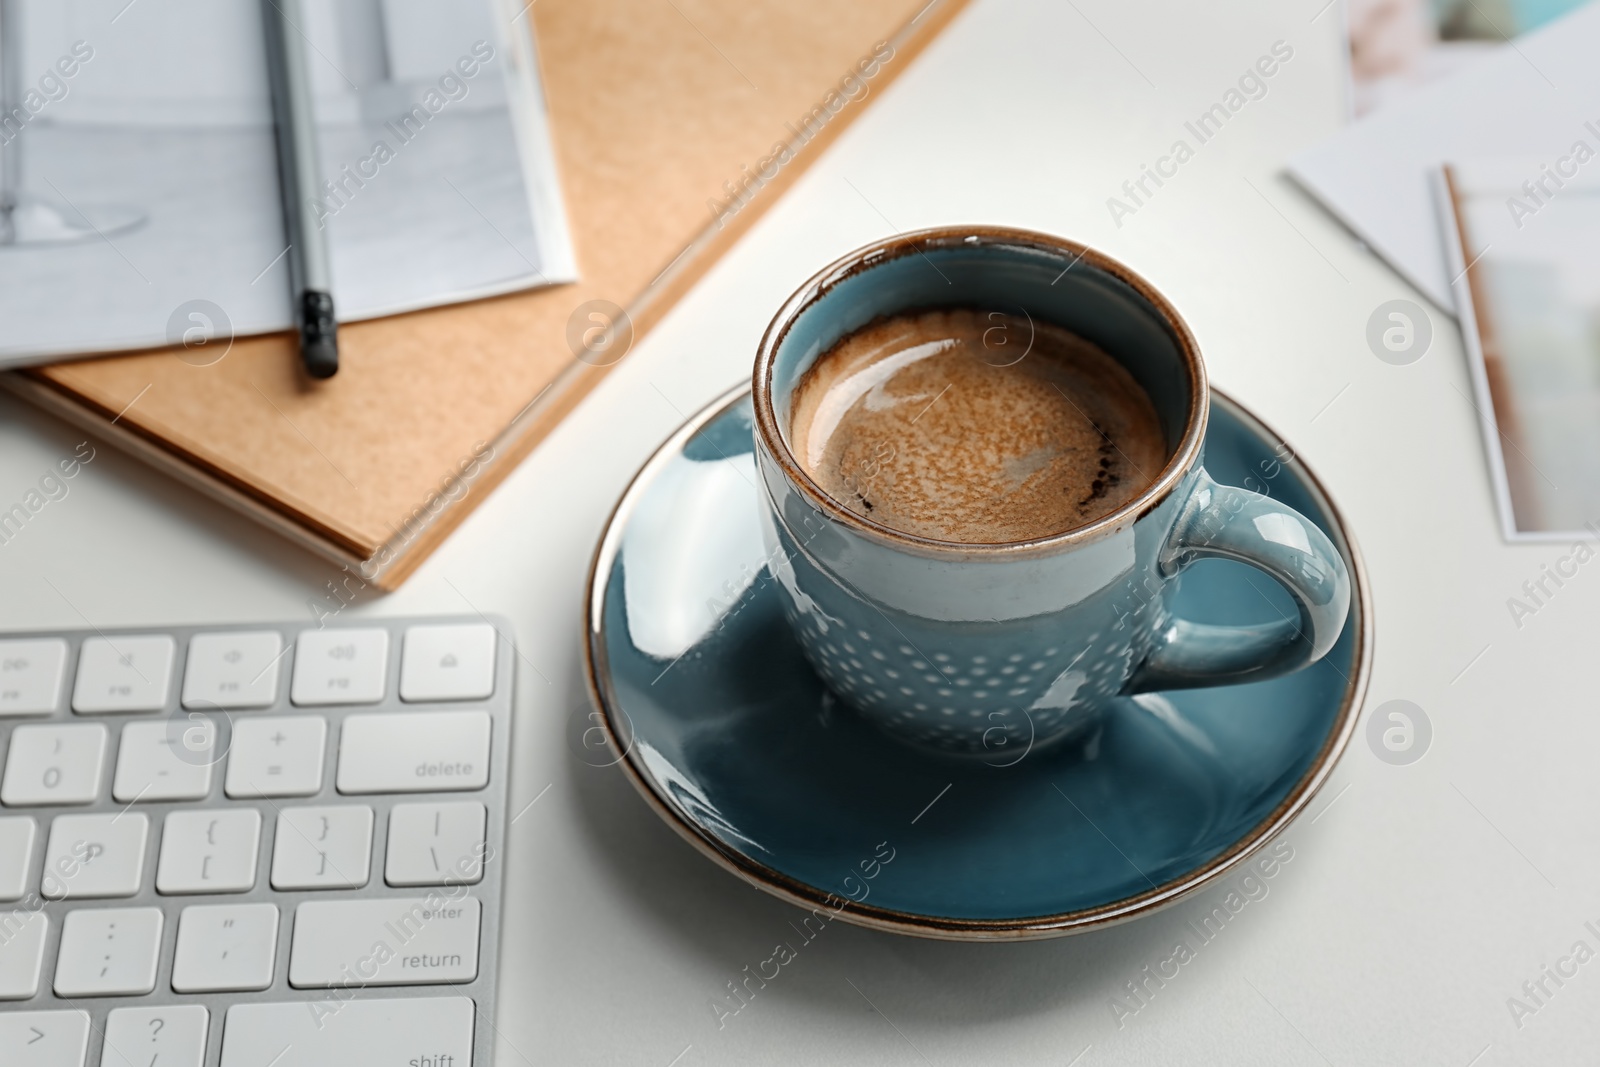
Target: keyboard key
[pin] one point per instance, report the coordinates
(435, 844)
(169, 1036)
(322, 848)
(447, 663)
(16, 848)
(128, 673)
(232, 670)
(209, 851)
(416, 1031)
(277, 756)
(225, 948)
(340, 666)
(167, 760)
(30, 675)
(94, 856)
(108, 951)
(391, 941)
(414, 752)
(22, 938)
(54, 764)
(44, 1038)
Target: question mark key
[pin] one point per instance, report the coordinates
(175, 1035)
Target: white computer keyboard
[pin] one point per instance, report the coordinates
(254, 846)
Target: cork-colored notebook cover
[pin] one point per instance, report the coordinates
(675, 123)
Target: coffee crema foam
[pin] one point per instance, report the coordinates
(974, 427)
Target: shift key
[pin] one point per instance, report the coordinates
(386, 941)
(414, 752)
(370, 1031)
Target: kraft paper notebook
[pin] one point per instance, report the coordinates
(651, 114)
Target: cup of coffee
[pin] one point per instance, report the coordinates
(981, 453)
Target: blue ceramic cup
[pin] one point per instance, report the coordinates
(997, 648)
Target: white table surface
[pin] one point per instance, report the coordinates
(1414, 906)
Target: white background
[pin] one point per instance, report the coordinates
(1413, 907)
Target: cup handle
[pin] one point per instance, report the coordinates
(1231, 523)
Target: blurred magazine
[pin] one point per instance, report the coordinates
(139, 197)
(1377, 174)
(1396, 45)
(1523, 239)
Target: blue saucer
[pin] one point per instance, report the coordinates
(735, 743)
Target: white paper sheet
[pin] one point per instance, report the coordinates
(169, 117)
(1532, 99)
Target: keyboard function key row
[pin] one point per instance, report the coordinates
(239, 669)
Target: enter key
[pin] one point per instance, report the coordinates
(390, 941)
